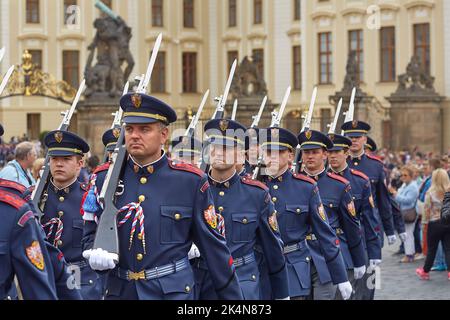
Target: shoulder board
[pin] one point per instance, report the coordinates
(12, 199)
(247, 180)
(337, 177)
(12, 185)
(101, 168)
(186, 167)
(374, 158)
(299, 176)
(359, 173)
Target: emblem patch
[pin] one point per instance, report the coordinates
(223, 125)
(354, 124)
(34, 254)
(116, 133)
(210, 217)
(273, 221)
(351, 208)
(136, 100)
(59, 136)
(308, 134)
(321, 211)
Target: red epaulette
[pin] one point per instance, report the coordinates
(256, 183)
(12, 199)
(374, 158)
(103, 167)
(300, 176)
(12, 185)
(183, 166)
(359, 173)
(337, 177)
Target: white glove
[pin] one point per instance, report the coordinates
(391, 239)
(359, 272)
(346, 290)
(402, 236)
(100, 259)
(193, 253)
(373, 263)
(287, 298)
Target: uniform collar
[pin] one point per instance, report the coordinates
(342, 172)
(150, 167)
(358, 157)
(64, 190)
(226, 183)
(316, 176)
(280, 177)
(242, 172)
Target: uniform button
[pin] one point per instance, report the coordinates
(354, 198)
(244, 221)
(143, 180)
(140, 236)
(187, 289)
(307, 259)
(274, 199)
(59, 243)
(221, 193)
(220, 208)
(177, 216)
(356, 163)
(61, 199)
(141, 198)
(60, 213)
(253, 277)
(275, 187)
(331, 205)
(298, 210)
(91, 282)
(139, 256)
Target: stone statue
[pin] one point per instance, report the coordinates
(112, 45)
(247, 80)
(416, 81)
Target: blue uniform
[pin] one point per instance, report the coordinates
(178, 209)
(364, 205)
(23, 252)
(58, 263)
(62, 207)
(336, 196)
(373, 168)
(301, 216)
(250, 220)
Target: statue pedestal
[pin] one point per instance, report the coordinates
(93, 119)
(416, 123)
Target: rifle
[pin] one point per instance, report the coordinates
(233, 114)
(351, 109)
(6, 79)
(117, 119)
(257, 118)
(332, 126)
(37, 196)
(306, 126)
(2, 53)
(190, 131)
(106, 237)
(276, 120)
(220, 109)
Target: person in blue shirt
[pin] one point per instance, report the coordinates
(18, 170)
(174, 206)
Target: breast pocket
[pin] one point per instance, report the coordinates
(77, 233)
(175, 224)
(243, 226)
(295, 216)
(331, 208)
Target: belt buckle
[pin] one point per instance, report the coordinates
(136, 275)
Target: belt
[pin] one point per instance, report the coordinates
(294, 247)
(79, 264)
(155, 273)
(249, 258)
(311, 237)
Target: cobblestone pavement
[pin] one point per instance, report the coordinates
(400, 282)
